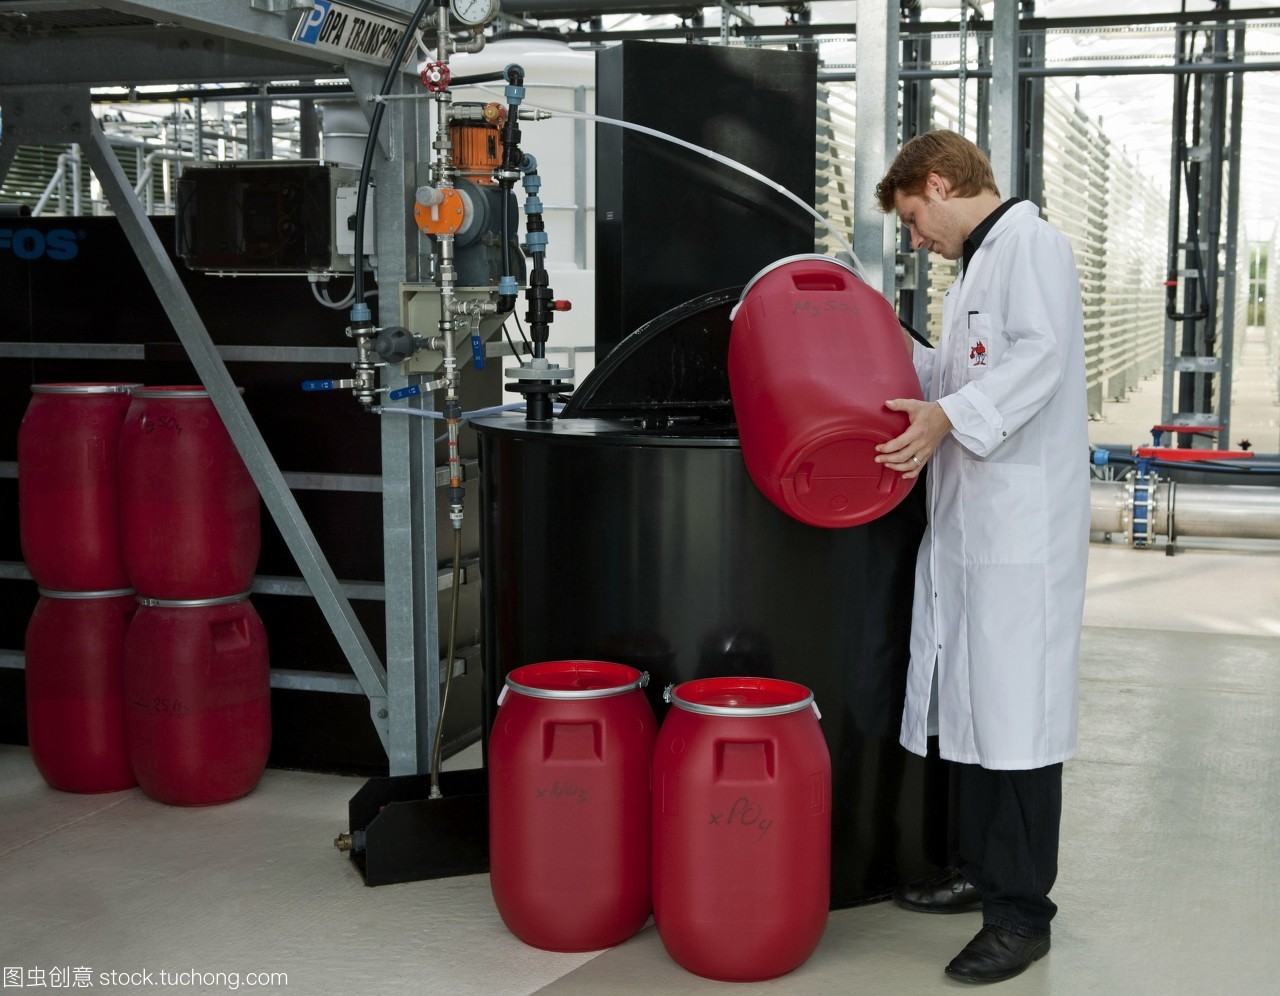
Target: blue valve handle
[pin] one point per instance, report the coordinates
(477, 352)
(412, 391)
(317, 385)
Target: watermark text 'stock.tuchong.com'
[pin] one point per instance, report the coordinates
(117, 980)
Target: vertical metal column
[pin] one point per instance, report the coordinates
(1030, 181)
(410, 556)
(1007, 147)
(261, 127)
(875, 135)
(917, 117)
(1232, 242)
(308, 129)
(579, 180)
(1197, 371)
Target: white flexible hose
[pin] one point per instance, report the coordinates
(515, 406)
(724, 160)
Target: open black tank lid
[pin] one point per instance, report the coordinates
(674, 366)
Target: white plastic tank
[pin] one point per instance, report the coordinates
(344, 130)
(558, 78)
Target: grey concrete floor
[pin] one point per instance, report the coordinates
(1169, 847)
(1169, 851)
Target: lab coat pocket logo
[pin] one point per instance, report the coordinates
(978, 351)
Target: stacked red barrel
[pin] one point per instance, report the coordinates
(123, 490)
(68, 523)
(75, 689)
(189, 524)
(196, 668)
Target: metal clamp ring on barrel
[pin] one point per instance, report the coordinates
(570, 694)
(191, 603)
(113, 593)
(669, 696)
(161, 394)
(83, 388)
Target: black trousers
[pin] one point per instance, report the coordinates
(1006, 834)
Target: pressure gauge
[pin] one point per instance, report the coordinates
(474, 12)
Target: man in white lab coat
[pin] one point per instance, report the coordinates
(1000, 574)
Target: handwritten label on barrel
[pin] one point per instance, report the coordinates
(743, 813)
(152, 423)
(562, 790)
(805, 306)
(164, 706)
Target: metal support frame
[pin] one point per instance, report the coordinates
(264, 27)
(409, 484)
(64, 115)
(1232, 244)
(252, 42)
(1007, 147)
(1199, 335)
(917, 116)
(1030, 181)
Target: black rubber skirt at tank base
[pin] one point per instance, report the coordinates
(654, 549)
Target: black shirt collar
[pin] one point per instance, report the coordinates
(984, 229)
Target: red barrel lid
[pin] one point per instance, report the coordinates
(740, 696)
(575, 680)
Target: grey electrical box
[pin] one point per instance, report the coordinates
(270, 217)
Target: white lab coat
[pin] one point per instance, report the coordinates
(999, 595)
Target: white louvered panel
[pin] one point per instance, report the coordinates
(835, 164)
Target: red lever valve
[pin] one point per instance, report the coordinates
(561, 305)
(436, 76)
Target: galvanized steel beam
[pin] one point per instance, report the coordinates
(151, 55)
(1006, 131)
(876, 139)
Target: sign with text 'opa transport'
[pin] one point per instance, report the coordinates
(350, 32)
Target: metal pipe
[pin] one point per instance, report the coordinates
(586, 9)
(59, 174)
(1226, 511)
(1034, 25)
(1101, 69)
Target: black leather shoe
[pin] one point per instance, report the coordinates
(996, 954)
(946, 893)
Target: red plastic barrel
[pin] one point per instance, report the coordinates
(75, 689)
(569, 813)
(188, 507)
(741, 828)
(814, 353)
(197, 688)
(67, 486)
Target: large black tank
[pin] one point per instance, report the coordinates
(628, 530)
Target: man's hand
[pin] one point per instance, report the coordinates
(909, 452)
